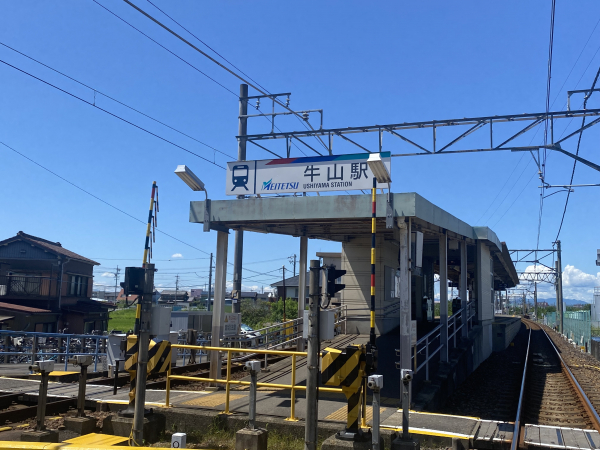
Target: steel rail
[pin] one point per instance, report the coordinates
(592, 413)
(517, 427)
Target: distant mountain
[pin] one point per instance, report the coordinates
(567, 301)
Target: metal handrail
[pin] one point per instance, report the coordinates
(271, 337)
(228, 381)
(431, 336)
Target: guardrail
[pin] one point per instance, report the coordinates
(228, 381)
(28, 347)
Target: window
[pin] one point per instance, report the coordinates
(78, 286)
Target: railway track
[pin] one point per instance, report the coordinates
(550, 394)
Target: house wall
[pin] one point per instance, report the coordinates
(29, 322)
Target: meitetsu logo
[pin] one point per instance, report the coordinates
(270, 186)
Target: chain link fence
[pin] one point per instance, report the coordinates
(577, 326)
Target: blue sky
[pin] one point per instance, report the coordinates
(363, 64)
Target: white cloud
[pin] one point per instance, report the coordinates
(177, 255)
(108, 274)
(577, 284)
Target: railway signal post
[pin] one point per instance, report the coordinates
(310, 432)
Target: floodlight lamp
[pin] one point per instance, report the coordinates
(189, 178)
(378, 168)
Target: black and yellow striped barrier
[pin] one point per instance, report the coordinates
(346, 368)
(159, 360)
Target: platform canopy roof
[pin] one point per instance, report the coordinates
(343, 217)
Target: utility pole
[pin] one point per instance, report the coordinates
(524, 304)
(292, 260)
(209, 283)
(238, 250)
(284, 293)
(117, 282)
(535, 301)
(559, 291)
(142, 363)
(310, 430)
(176, 286)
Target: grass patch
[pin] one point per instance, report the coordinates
(217, 438)
(121, 319)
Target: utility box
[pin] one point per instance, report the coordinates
(116, 350)
(160, 324)
(326, 325)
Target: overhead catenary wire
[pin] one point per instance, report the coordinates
(111, 114)
(542, 168)
(587, 97)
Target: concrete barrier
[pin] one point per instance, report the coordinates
(504, 330)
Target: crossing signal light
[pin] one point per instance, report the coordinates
(332, 275)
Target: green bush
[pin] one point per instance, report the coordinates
(291, 310)
(254, 315)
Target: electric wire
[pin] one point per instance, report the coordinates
(542, 167)
(115, 100)
(208, 46)
(120, 210)
(254, 86)
(189, 64)
(159, 44)
(98, 198)
(112, 114)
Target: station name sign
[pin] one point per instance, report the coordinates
(293, 175)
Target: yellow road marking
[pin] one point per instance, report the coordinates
(212, 400)
(342, 413)
(99, 440)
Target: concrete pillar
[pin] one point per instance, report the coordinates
(463, 287)
(219, 303)
(405, 353)
(443, 252)
(485, 286)
(302, 288)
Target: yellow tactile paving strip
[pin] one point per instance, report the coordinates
(212, 400)
(342, 413)
(56, 373)
(99, 440)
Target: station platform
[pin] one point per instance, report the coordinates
(439, 428)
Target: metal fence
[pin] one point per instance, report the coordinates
(29, 347)
(577, 326)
